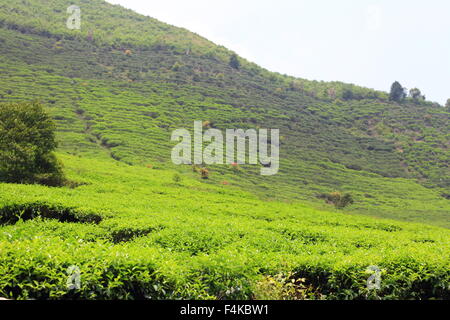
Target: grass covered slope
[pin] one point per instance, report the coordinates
(135, 233)
(108, 24)
(132, 122)
(118, 88)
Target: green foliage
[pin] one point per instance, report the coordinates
(27, 140)
(397, 93)
(416, 94)
(234, 61)
(108, 104)
(152, 239)
(135, 234)
(347, 95)
(11, 214)
(338, 199)
(103, 23)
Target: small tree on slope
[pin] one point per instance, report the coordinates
(397, 93)
(27, 142)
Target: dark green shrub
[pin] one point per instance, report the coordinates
(11, 214)
(234, 62)
(27, 142)
(338, 199)
(446, 195)
(347, 95)
(397, 93)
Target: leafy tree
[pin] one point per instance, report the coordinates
(397, 93)
(447, 105)
(416, 94)
(234, 61)
(347, 94)
(27, 142)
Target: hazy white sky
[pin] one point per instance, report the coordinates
(367, 42)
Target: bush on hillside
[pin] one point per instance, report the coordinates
(234, 62)
(338, 199)
(416, 95)
(347, 95)
(27, 142)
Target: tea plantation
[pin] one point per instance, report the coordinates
(134, 233)
(135, 226)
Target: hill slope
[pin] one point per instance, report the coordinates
(118, 88)
(137, 227)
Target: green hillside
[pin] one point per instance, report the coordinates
(117, 89)
(124, 96)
